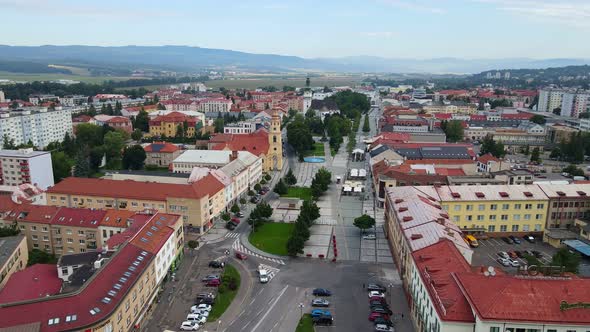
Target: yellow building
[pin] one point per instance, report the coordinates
(496, 210)
(168, 125)
(14, 256)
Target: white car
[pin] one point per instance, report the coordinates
(197, 318)
(189, 326)
(514, 263)
(202, 306)
(370, 237)
(384, 328)
(504, 261)
(201, 312)
(503, 254)
(376, 293)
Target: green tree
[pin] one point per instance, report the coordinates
(218, 124)
(454, 131)
(243, 201)
(225, 216)
(488, 145)
(82, 167)
(290, 178)
(536, 155)
(573, 170)
(299, 135)
(281, 188)
(95, 156)
(267, 177)
(113, 145)
(257, 187)
(193, 244)
(161, 107)
(539, 119)
(8, 143)
(142, 121)
(366, 125)
(37, 256)
(69, 145)
(235, 208)
(301, 229)
(563, 257)
(136, 135)
(295, 245)
(364, 222)
(62, 165)
(133, 157)
(309, 212)
(89, 135)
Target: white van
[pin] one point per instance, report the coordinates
(263, 276)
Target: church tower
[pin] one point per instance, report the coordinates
(275, 151)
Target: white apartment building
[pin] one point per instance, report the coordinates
(549, 99)
(243, 127)
(571, 102)
(2, 97)
(73, 100)
(26, 166)
(584, 124)
(214, 105)
(41, 126)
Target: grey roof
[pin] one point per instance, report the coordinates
(149, 173)
(327, 103)
(435, 152)
(7, 246)
(378, 150)
(21, 154)
(84, 258)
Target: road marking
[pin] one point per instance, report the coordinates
(271, 306)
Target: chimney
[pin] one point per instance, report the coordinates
(233, 156)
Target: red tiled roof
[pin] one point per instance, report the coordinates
(443, 116)
(116, 218)
(521, 299)
(486, 158)
(162, 147)
(119, 119)
(35, 213)
(449, 171)
(138, 221)
(435, 264)
(155, 234)
(135, 189)
(34, 282)
(81, 303)
(255, 143)
(453, 92)
(175, 117)
(78, 217)
(82, 118)
(517, 116)
(439, 161)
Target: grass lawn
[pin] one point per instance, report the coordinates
(225, 295)
(272, 237)
(318, 150)
(300, 192)
(57, 76)
(305, 324)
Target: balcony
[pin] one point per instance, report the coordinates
(91, 245)
(24, 163)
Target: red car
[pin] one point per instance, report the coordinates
(213, 283)
(374, 315)
(241, 256)
(377, 298)
(235, 220)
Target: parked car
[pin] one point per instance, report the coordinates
(230, 225)
(241, 256)
(503, 254)
(369, 237)
(240, 214)
(205, 307)
(383, 328)
(196, 318)
(213, 283)
(209, 301)
(381, 302)
(203, 312)
(254, 199)
(375, 287)
(216, 264)
(515, 239)
(504, 261)
(376, 298)
(235, 220)
(211, 277)
(320, 313)
(512, 254)
(376, 293)
(514, 263)
(374, 315)
(529, 252)
(507, 240)
(323, 320)
(537, 254)
(381, 310)
(382, 321)
(320, 303)
(529, 238)
(321, 292)
(519, 253)
(189, 325)
(205, 296)
(261, 192)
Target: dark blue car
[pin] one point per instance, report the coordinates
(321, 292)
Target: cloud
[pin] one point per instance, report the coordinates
(568, 12)
(380, 34)
(420, 6)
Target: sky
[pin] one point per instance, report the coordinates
(312, 28)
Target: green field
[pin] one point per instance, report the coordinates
(225, 295)
(305, 324)
(51, 77)
(272, 237)
(303, 193)
(318, 150)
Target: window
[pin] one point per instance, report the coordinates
(504, 217)
(70, 241)
(456, 218)
(515, 228)
(480, 217)
(119, 316)
(469, 207)
(538, 216)
(481, 207)
(457, 207)
(528, 206)
(35, 237)
(469, 218)
(537, 227)
(80, 232)
(82, 241)
(494, 207)
(540, 206)
(525, 228)
(44, 229)
(33, 228)
(494, 329)
(492, 217)
(505, 206)
(69, 231)
(527, 217)
(126, 305)
(503, 228)
(517, 206)
(491, 228)
(134, 204)
(516, 216)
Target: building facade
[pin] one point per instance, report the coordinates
(26, 166)
(161, 154)
(40, 127)
(15, 255)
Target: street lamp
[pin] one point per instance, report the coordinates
(218, 325)
(389, 287)
(301, 309)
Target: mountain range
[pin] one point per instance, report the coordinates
(186, 58)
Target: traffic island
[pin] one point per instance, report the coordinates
(230, 284)
(272, 237)
(305, 324)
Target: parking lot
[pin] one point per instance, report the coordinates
(487, 252)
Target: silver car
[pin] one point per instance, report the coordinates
(320, 303)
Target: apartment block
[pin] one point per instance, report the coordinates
(14, 257)
(566, 204)
(41, 126)
(26, 166)
(161, 154)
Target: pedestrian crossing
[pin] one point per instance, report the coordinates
(237, 246)
(325, 222)
(272, 271)
(232, 235)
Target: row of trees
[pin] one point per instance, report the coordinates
(574, 149)
(453, 130)
(261, 214)
(320, 182)
(308, 214)
(282, 187)
(366, 125)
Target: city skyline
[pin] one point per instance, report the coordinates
(473, 29)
